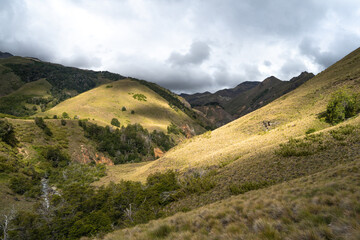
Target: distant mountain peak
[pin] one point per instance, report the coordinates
(5, 55)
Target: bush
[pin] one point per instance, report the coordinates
(115, 122)
(132, 112)
(172, 128)
(63, 122)
(39, 121)
(342, 106)
(56, 157)
(123, 109)
(140, 97)
(247, 186)
(7, 133)
(65, 115)
(302, 147)
(342, 132)
(310, 130)
(197, 181)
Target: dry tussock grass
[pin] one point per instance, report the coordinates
(291, 116)
(322, 206)
(104, 103)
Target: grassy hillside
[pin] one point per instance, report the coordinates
(295, 178)
(320, 206)
(128, 101)
(226, 105)
(290, 116)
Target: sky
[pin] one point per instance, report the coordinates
(184, 45)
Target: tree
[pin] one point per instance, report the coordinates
(6, 221)
(7, 133)
(65, 115)
(115, 122)
(342, 106)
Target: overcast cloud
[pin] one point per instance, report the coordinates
(184, 45)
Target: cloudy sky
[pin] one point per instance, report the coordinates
(184, 45)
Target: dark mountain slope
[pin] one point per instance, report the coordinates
(228, 104)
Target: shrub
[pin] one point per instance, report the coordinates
(341, 133)
(39, 121)
(63, 122)
(342, 106)
(302, 147)
(55, 117)
(7, 133)
(247, 186)
(132, 112)
(197, 181)
(172, 128)
(115, 122)
(123, 109)
(140, 97)
(65, 115)
(55, 156)
(19, 184)
(310, 130)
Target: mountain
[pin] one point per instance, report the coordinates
(30, 86)
(130, 102)
(283, 171)
(5, 55)
(226, 105)
(279, 172)
(220, 97)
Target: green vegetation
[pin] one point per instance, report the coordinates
(81, 210)
(172, 128)
(242, 188)
(123, 109)
(342, 132)
(140, 97)
(302, 147)
(65, 115)
(342, 105)
(310, 130)
(55, 156)
(132, 143)
(115, 122)
(7, 133)
(39, 121)
(63, 122)
(197, 181)
(173, 100)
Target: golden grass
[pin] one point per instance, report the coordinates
(105, 102)
(291, 116)
(320, 206)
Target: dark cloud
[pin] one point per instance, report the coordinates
(225, 41)
(82, 61)
(342, 44)
(198, 53)
(267, 63)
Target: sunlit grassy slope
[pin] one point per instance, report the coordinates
(324, 205)
(314, 195)
(290, 116)
(106, 102)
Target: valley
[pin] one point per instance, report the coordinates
(128, 159)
